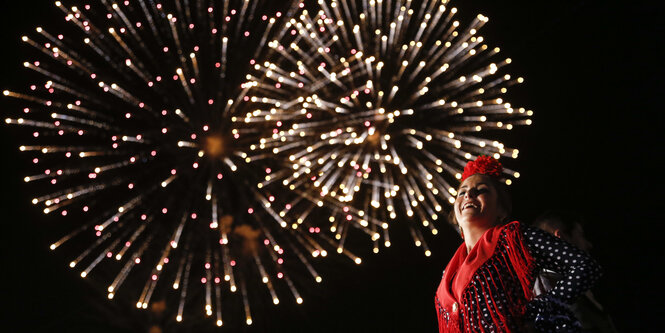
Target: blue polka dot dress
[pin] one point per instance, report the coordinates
(496, 294)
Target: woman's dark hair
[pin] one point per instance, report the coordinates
(558, 220)
(503, 196)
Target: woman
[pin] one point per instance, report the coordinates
(487, 285)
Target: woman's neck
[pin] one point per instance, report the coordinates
(472, 234)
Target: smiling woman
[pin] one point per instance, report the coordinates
(487, 285)
(478, 207)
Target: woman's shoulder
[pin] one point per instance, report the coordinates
(525, 229)
(512, 227)
(522, 232)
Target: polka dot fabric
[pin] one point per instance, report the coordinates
(494, 300)
(579, 271)
(550, 312)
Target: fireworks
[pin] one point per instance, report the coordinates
(133, 137)
(380, 104)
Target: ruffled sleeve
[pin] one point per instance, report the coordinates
(550, 312)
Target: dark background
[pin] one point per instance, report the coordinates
(593, 74)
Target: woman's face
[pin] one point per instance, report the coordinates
(477, 203)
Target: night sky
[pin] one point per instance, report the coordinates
(593, 73)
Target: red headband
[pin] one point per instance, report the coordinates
(485, 165)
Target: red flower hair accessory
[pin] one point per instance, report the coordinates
(485, 165)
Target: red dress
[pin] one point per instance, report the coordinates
(490, 288)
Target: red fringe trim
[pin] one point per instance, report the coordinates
(521, 260)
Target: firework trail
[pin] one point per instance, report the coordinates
(379, 104)
(135, 139)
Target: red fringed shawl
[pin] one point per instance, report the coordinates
(512, 264)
